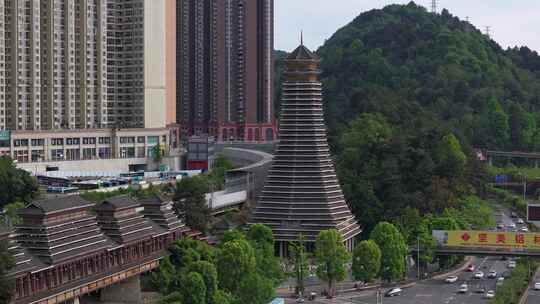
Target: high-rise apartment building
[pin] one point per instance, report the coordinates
(225, 68)
(75, 64)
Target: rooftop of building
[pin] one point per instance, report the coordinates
(302, 53)
(118, 203)
(57, 204)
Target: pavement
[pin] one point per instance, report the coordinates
(533, 296)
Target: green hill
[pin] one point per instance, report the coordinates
(405, 62)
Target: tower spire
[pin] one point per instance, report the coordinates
(301, 37)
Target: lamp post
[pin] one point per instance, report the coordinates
(418, 255)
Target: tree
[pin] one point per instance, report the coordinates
(16, 185)
(331, 257)
(235, 261)
(222, 297)
(164, 278)
(173, 298)
(232, 234)
(209, 274)
(194, 290)
(157, 153)
(190, 201)
(186, 251)
(393, 249)
(366, 261)
(11, 210)
(216, 177)
(261, 239)
(299, 257)
(6, 282)
(450, 157)
(255, 289)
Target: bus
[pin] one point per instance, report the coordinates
(62, 190)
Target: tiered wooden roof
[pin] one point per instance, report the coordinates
(58, 229)
(23, 261)
(121, 220)
(302, 194)
(161, 211)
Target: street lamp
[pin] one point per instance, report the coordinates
(418, 255)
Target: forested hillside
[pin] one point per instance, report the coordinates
(408, 94)
(404, 62)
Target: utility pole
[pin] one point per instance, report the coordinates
(488, 31)
(434, 6)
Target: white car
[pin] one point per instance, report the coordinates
(479, 275)
(537, 286)
(490, 294)
(512, 264)
(524, 229)
(451, 279)
(500, 281)
(511, 225)
(394, 292)
(520, 221)
(492, 274)
(463, 288)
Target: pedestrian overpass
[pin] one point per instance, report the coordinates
(495, 243)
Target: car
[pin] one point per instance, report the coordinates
(520, 221)
(463, 288)
(451, 279)
(500, 281)
(511, 226)
(492, 274)
(470, 268)
(394, 292)
(489, 295)
(500, 226)
(300, 300)
(512, 264)
(479, 275)
(537, 286)
(480, 289)
(524, 229)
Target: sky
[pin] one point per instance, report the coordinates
(512, 22)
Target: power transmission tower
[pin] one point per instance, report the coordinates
(488, 31)
(434, 6)
(468, 19)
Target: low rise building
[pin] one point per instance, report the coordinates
(91, 149)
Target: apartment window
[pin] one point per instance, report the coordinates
(141, 139)
(73, 141)
(104, 140)
(57, 141)
(73, 154)
(153, 140)
(21, 156)
(38, 142)
(57, 154)
(104, 153)
(38, 155)
(127, 152)
(89, 153)
(89, 141)
(127, 140)
(20, 143)
(141, 152)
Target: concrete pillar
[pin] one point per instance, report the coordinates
(73, 301)
(125, 292)
(490, 161)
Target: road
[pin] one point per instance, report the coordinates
(534, 295)
(437, 291)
